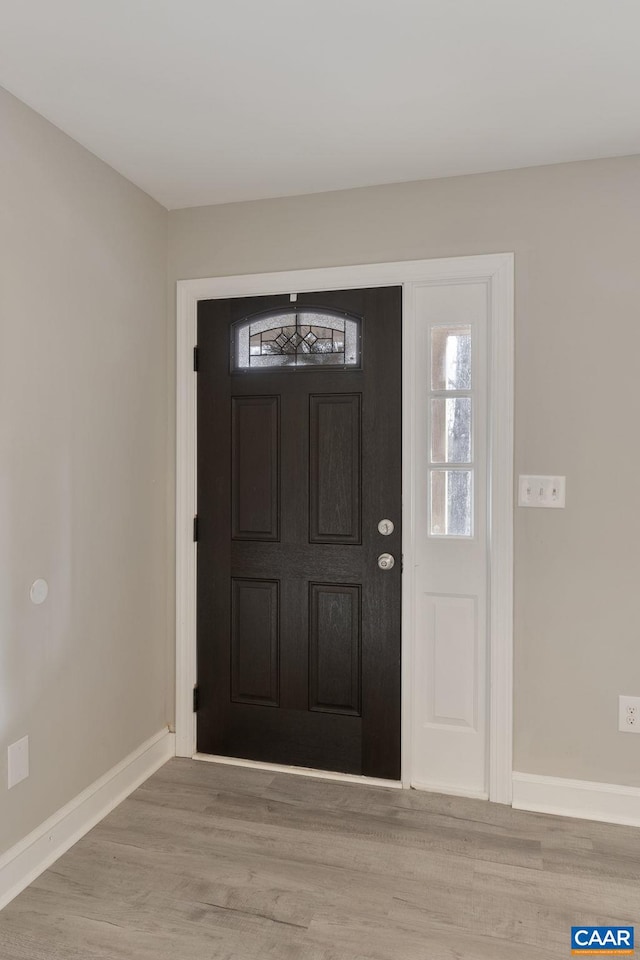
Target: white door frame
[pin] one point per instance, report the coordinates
(497, 271)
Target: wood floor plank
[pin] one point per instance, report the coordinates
(216, 862)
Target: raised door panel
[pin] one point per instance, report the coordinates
(255, 468)
(335, 495)
(255, 642)
(449, 680)
(334, 648)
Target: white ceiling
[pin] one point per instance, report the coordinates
(208, 101)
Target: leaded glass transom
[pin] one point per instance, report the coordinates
(296, 337)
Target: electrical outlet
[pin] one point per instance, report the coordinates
(629, 714)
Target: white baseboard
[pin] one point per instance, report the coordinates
(449, 789)
(585, 799)
(25, 861)
(299, 771)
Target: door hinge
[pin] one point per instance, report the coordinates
(195, 529)
(196, 699)
(196, 358)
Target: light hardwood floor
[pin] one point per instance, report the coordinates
(213, 862)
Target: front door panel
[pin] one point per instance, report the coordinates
(299, 458)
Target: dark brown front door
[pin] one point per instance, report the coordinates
(299, 459)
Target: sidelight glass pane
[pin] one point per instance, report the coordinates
(451, 430)
(451, 503)
(296, 337)
(450, 358)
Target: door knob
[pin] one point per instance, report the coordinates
(385, 561)
(385, 527)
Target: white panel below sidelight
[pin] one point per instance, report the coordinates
(450, 682)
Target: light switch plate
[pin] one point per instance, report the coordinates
(539, 491)
(18, 762)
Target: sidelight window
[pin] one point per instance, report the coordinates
(451, 432)
(296, 337)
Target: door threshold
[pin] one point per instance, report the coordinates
(299, 771)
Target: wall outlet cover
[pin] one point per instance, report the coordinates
(629, 714)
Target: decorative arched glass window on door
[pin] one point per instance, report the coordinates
(296, 337)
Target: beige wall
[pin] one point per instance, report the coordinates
(86, 477)
(83, 456)
(575, 230)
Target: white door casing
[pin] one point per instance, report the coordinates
(471, 757)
